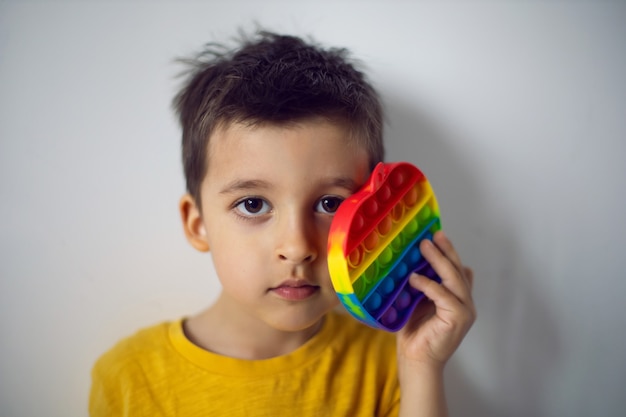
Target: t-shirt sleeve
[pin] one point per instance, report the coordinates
(120, 384)
(391, 391)
(104, 398)
(394, 410)
(119, 388)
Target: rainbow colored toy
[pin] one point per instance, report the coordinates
(373, 245)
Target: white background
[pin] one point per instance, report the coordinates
(515, 110)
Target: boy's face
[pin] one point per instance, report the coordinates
(268, 199)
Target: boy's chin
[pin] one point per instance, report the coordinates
(297, 324)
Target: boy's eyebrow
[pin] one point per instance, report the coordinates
(244, 185)
(343, 182)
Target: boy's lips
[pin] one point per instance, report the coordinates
(294, 289)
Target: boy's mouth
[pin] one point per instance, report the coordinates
(295, 290)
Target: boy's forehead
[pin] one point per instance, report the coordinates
(251, 145)
(228, 135)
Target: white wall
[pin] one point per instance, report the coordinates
(516, 112)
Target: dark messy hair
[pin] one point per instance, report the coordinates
(272, 78)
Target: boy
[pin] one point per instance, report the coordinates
(276, 135)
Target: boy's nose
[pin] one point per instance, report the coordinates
(297, 241)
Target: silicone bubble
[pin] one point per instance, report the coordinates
(373, 245)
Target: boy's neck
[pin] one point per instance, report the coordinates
(223, 330)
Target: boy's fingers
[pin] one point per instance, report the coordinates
(468, 273)
(445, 246)
(438, 294)
(448, 305)
(453, 277)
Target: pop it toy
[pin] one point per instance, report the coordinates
(373, 245)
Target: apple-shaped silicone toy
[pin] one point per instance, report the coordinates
(373, 245)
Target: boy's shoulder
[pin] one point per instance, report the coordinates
(147, 342)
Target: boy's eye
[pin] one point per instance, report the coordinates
(253, 206)
(328, 204)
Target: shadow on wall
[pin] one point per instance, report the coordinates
(508, 358)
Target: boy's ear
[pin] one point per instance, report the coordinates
(192, 223)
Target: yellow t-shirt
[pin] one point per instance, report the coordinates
(347, 369)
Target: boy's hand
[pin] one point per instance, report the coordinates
(439, 324)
